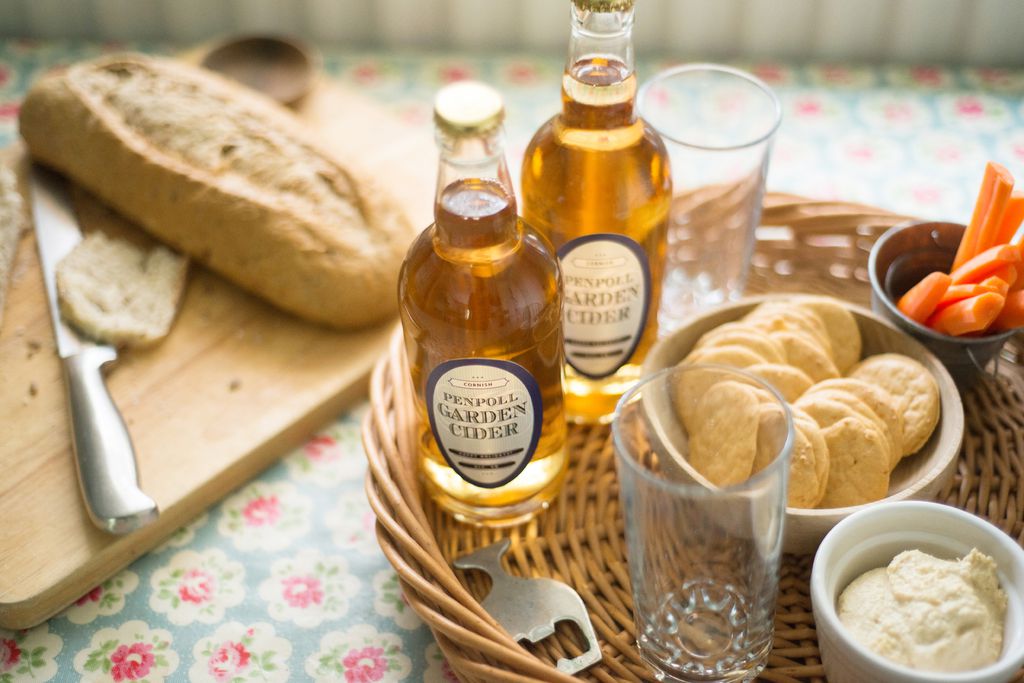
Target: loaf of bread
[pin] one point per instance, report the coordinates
(118, 292)
(227, 177)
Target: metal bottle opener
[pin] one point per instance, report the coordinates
(529, 608)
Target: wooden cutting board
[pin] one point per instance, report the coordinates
(234, 386)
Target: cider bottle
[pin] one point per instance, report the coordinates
(481, 308)
(596, 182)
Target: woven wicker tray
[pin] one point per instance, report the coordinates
(816, 247)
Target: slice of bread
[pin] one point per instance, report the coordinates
(120, 293)
(12, 222)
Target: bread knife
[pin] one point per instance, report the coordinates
(104, 455)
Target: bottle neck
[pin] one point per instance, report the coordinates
(607, 35)
(472, 157)
(599, 85)
(474, 205)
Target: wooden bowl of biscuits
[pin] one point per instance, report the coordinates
(870, 399)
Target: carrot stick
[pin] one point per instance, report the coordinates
(1018, 283)
(996, 284)
(960, 292)
(969, 315)
(957, 293)
(982, 232)
(979, 267)
(988, 233)
(1012, 315)
(920, 302)
(1012, 219)
(1007, 273)
(967, 243)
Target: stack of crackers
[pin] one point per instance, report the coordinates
(853, 419)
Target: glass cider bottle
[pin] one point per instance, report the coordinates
(596, 182)
(481, 310)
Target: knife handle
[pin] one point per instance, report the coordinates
(103, 449)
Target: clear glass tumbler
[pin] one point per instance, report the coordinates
(703, 558)
(718, 124)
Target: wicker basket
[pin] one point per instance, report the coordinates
(813, 246)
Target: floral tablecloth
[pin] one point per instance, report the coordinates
(284, 579)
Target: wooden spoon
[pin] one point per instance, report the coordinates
(282, 68)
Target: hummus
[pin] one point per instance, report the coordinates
(929, 614)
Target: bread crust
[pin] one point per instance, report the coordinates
(12, 224)
(266, 242)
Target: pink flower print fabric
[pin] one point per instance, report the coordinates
(131, 662)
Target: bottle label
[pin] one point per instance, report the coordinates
(486, 417)
(607, 283)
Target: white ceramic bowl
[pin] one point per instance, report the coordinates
(870, 539)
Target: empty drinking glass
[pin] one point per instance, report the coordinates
(718, 124)
(703, 557)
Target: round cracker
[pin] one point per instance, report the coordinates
(790, 381)
(914, 389)
(747, 336)
(859, 467)
(687, 389)
(803, 353)
(690, 386)
(810, 429)
(783, 316)
(805, 488)
(881, 403)
(723, 442)
(733, 356)
(840, 326)
(822, 461)
(771, 434)
(827, 410)
(755, 385)
(864, 410)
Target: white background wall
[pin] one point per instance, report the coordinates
(950, 31)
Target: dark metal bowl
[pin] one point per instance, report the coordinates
(898, 260)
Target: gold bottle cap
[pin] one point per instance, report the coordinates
(468, 107)
(603, 5)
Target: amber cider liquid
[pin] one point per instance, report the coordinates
(480, 283)
(597, 167)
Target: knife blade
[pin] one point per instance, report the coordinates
(104, 455)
